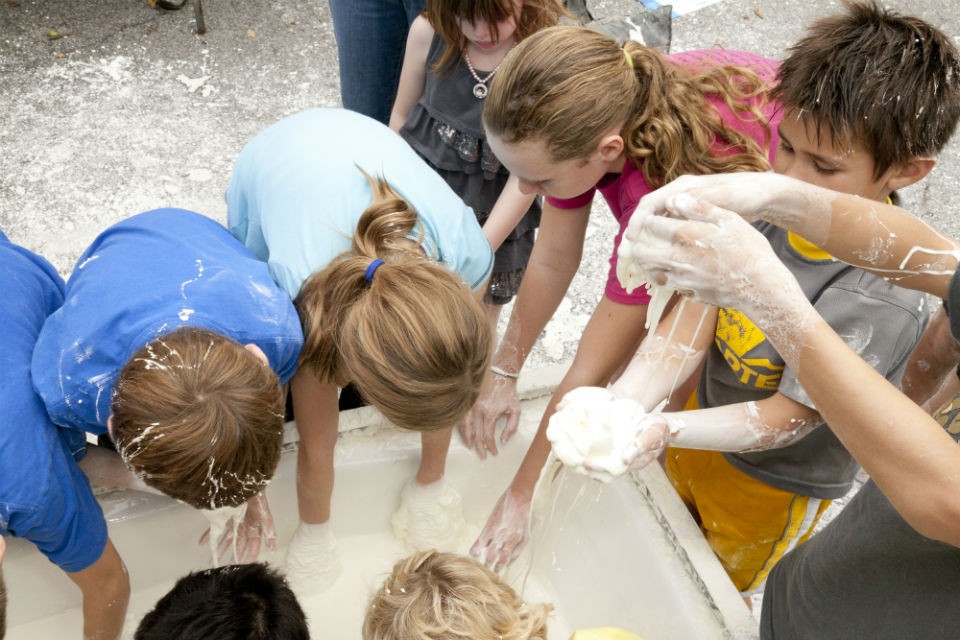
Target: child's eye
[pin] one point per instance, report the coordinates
(824, 171)
(783, 146)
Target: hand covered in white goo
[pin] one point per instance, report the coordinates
(718, 258)
(506, 532)
(241, 530)
(479, 427)
(753, 196)
(313, 562)
(602, 436)
(430, 516)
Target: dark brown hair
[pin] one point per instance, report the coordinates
(445, 17)
(887, 82)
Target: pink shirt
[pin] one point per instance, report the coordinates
(623, 191)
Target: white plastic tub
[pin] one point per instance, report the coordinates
(625, 554)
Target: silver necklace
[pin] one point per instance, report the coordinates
(480, 89)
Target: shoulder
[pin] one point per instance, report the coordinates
(421, 31)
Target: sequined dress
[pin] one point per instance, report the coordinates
(444, 127)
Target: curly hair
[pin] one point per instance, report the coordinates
(442, 596)
(568, 86)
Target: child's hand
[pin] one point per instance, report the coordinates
(505, 533)
(600, 435)
(257, 525)
(479, 427)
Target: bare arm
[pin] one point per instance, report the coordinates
(106, 593)
(413, 74)
(934, 358)
(908, 454)
(669, 356)
(317, 415)
(880, 238)
(614, 330)
(506, 213)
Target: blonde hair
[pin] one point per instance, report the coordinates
(199, 418)
(445, 17)
(413, 339)
(569, 86)
(443, 596)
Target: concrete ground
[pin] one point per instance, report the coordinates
(111, 108)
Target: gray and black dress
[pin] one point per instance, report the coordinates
(445, 128)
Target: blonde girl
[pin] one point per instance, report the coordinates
(386, 266)
(572, 113)
(453, 52)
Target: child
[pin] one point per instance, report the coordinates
(838, 131)
(234, 602)
(438, 109)
(435, 596)
(174, 339)
(570, 113)
(387, 276)
(897, 540)
(44, 497)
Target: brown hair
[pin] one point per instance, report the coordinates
(199, 418)
(441, 596)
(569, 86)
(445, 17)
(888, 82)
(413, 340)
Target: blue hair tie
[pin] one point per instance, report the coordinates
(372, 268)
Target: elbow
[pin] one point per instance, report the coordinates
(939, 521)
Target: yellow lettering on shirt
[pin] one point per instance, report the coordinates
(736, 336)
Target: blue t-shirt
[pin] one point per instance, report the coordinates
(143, 277)
(44, 497)
(297, 194)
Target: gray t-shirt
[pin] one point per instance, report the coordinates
(868, 574)
(880, 321)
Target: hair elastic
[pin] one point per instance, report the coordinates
(372, 268)
(629, 58)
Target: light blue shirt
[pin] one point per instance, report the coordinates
(297, 194)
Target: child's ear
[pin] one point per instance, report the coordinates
(915, 170)
(110, 426)
(610, 147)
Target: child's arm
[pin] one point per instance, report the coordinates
(880, 238)
(317, 415)
(934, 358)
(669, 356)
(413, 74)
(553, 263)
(106, 593)
(909, 455)
(506, 213)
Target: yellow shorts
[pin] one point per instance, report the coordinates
(749, 524)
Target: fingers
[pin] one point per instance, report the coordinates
(513, 423)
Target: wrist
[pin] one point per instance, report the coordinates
(504, 373)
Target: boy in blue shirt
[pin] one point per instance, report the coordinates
(44, 497)
(174, 338)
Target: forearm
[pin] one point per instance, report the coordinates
(667, 358)
(506, 213)
(905, 451)
(106, 594)
(317, 417)
(933, 359)
(745, 426)
(553, 263)
(104, 467)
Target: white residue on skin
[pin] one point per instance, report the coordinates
(219, 520)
